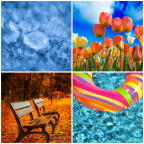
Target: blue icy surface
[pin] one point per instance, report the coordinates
(36, 36)
(91, 126)
(109, 80)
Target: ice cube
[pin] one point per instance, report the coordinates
(25, 26)
(16, 15)
(13, 26)
(36, 40)
(12, 36)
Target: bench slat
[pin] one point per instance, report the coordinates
(24, 111)
(39, 105)
(19, 105)
(38, 100)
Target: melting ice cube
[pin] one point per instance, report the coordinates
(36, 40)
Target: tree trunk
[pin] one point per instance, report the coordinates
(41, 84)
(26, 87)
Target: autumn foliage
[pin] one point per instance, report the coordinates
(54, 88)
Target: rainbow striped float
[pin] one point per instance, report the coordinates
(88, 94)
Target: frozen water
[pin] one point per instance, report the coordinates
(36, 36)
(13, 26)
(12, 36)
(28, 25)
(24, 26)
(36, 40)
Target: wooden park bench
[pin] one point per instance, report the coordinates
(20, 109)
(41, 111)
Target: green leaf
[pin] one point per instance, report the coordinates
(105, 66)
(141, 67)
(114, 64)
(125, 63)
(93, 64)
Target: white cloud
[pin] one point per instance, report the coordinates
(90, 11)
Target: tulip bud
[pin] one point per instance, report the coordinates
(117, 25)
(84, 53)
(130, 51)
(76, 51)
(127, 24)
(118, 41)
(80, 42)
(137, 55)
(99, 30)
(126, 48)
(105, 19)
(139, 31)
(95, 47)
(108, 42)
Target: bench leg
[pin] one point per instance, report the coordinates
(57, 115)
(56, 120)
(47, 137)
(53, 126)
(19, 137)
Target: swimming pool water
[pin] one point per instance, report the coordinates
(91, 126)
(109, 80)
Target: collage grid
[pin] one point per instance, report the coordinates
(48, 58)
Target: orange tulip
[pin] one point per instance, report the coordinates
(117, 25)
(137, 55)
(75, 57)
(130, 51)
(141, 48)
(118, 40)
(139, 31)
(76, 51)
(127, 24)
(95, 47)
(126, 48)
(104, 53)
(108, 42)
(84, 53)
(105, 19)
(99, 30)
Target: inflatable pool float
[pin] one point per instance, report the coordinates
(88, 94)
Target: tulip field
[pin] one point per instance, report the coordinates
(116, 53)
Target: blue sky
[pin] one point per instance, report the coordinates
(86, 14)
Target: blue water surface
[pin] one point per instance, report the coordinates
(36, 36)
(91, 126)
(109, 80)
